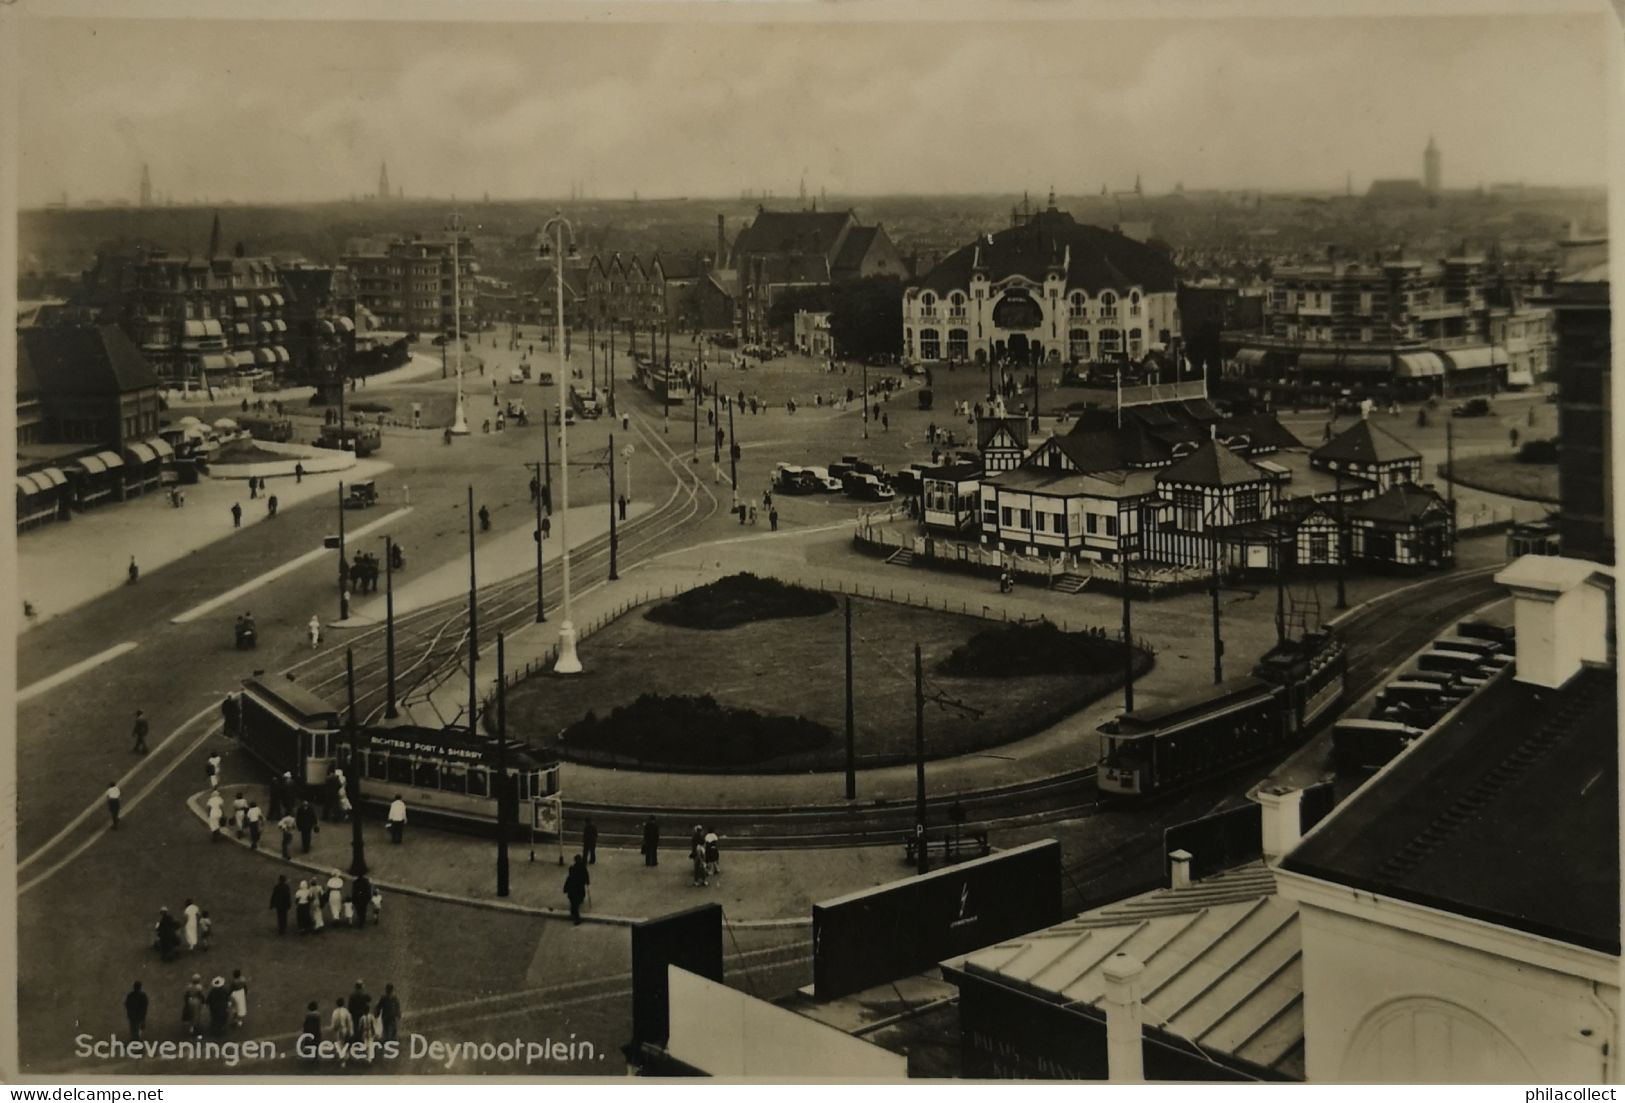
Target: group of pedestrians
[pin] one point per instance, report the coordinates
(193, 931)
(317, 904)
(210, 1010)
(247, 818)
(355, 1028)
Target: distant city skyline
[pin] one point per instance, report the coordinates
(277, 112)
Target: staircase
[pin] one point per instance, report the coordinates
(1071, 583)
(902, 557)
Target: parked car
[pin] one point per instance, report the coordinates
(516, 376)
(907, 482)
(859, 484)
(1473, 407)
(545, 379)
(826, 482)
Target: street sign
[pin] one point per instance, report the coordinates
(547, 815)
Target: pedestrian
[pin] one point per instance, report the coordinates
(253, 488)
(113, 795)
(256, 819)
(359, 1003)
(217, 815)
(135, 1011)
(219, 1004)
(305, 820)
(298, 473)
(301, 905)
(239, 814)
(696, 855)
(1531, 415)
(622, 502)
(310, 1032)
(651, 842)
(191, 914)
(211, 767)
(192, 1005)
(281, 902)
(270, 505)
(335, 896)
(317, 923)
(361, 899)
(205, 930)
(773, 519)
(397, 819)
(589, 841)
(288, 825)
(315, 629)
(236, 515)
(575, 887)
(885, 422)
(166, 933)
(713, 854)
(389, 1013)
(1514, 437)
(239, 998)
(342, 1025)
(140, 733)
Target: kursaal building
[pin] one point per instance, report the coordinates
(1048, 289)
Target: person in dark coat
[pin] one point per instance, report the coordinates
(282, 903)
(389, 1011)
(140, 732)
(135, 1010)
(360, 1003)
(169, 934)
(305, 818)
(361, 898)
(651, 842)
(310, 1033)
(589, 841)
(270, 505)
(575, 887)
(236, 515)
(219, 1003)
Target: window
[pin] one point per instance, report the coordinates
(1026, 518)
(1111, 342)
(1188, 504)
(930, 348)
(1008, 517)
(990, 512)
(1091, 523)
(958, 343)
(1038, 521)
(1318, 547)
(1079, 304)
(1111, 526)
(1246, 506)
(1134, 304)
(1135, 343)
(1078, 344)
(1108, 304)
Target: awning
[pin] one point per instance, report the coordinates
(89, 464)
(1367, 362)
(280, 353)
(244, 358)
(280, 326)
(211, 327)
(50, 477)
(345, 324)
(265, 327)
(1251, 357)
(240, 302)
(1419, 365)
(1317, 361)
(218, 361)
(28, 485)
(1484, 356)
(141, 453)
(276, 297)
(324, 326)
(265, 301)
(161, 447)
(194, 329)
(110, 459)
(243, 330)
(264, 356)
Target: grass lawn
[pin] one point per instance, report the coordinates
(1534, 482)
(795, 667)
(244, 451)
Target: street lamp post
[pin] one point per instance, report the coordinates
(568, 662)
(459, 421)
(344, 571)
(626, 454)
(389, 627)
(541, 617)
(352, 780)
(502, 780)
(610, 463)
(473, 622)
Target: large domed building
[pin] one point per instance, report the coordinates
(1047, 290)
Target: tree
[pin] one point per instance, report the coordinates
(866, 317)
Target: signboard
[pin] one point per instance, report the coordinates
(690, 939)
(880, 934)
(723, 1032)
(547, 814)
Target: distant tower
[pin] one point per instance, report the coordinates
(1137, 190)
(383, 180)
(1430, 167)
(146, 187)
(804, 193)
(214, 237)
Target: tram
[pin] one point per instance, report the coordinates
(668, 385)
(445, 775)
(1289, 693)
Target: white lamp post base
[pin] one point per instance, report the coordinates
(569, 662)
(459, 420)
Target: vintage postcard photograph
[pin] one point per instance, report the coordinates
(798, 541)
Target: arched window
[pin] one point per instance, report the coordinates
(928, 304)
(956, 307)
(1136, 343)
(958, 344)
(930, 347)
(1134, 304)
(1078, 345)
(1108, 304)
(1111, 342)
(1079, 304)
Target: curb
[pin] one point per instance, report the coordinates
(1351, 612)
(194, 805)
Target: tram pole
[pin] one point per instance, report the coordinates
(1128, 633)
(922, 859)
(502, 771)
(733, 454)
(389, 626)
(612, 573)
(344, 571)
(541, 617)
(694, 399)
(851, 726)
(1218, 640)
(1342, 544)
(352, 780)
(1280, 592)
(473, 622)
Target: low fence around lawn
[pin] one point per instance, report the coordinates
(1145, 659)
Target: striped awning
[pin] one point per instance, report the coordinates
(264, 356)
(91, 465)
(1419, 365)
(243, 330)
(211, 327)
(194, 329)
(218, 361)
(1484, 356)
(30, 485)
(276, 297)
(110, 459)
(50, 477)
(244, 358)
(141, 453)
(280, 353)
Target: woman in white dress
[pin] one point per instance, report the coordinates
(301, 906)
(316, 921)
(190, 928)
(335, 896)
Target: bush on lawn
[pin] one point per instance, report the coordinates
(657, 729)
(370, 407)
(740, 599)
(1035, 647)
(1538, 451)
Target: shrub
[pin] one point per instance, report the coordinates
(657, 730)
(370, 407)
(1035, 647)
(740, 599)
(1538, 451)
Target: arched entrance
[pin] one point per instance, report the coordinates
(1019, 348)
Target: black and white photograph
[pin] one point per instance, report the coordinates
(802, 542)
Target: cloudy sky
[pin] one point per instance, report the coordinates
(306, 110)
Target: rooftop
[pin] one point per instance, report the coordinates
(1094, 258)
(1212, 465)
(1365, 442)
(1508, 813)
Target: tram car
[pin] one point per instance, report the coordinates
(445, 775)
(668, 386)
(1294, 687)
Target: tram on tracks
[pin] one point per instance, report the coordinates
(669, 386)
(446, 775)
(1294, 687)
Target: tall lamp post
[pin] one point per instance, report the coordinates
(541, 617)
(389, 627)
(568, 662)
(344, 569)
(454, 224)
(352, 780)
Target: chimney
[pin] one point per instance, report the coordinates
(1283, 825)
(1125, 1017)
(1179, 869)
(1562, 608)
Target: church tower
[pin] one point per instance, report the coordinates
(383, 181)
(1430, 167)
